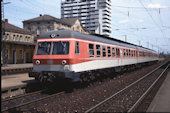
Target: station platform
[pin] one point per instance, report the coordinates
(161, 102)
(16, 68)
(16, 84)
(15, 80)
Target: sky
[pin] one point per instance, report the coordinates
(142, 22)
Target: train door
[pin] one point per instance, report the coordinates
(137, 55)
(27, 57)
(121, 56)
(14, 56)
(118, 55)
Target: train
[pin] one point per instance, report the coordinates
(66, 54)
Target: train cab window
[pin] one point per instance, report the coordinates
(98, 50)
(113, 52)
(117, 52)
(109, 51)
(104, 51)
(77, 48)
(60, 48)
(43, 48)
(91, 50)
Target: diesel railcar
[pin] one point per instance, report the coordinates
(66, 54)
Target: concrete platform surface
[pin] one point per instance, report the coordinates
(161, 102)
(9, 81)
(16, 66)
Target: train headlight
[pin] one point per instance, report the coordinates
(37, 62)
(63, 62)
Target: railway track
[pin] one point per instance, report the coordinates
(130, 97)
(23, 102)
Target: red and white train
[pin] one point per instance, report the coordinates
(68, 54)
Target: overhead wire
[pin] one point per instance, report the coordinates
(137, 28)
(128, 30)
(133, 7)
(152, 18)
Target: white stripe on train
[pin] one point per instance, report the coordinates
(91, 65)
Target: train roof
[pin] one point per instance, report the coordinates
(63, 33)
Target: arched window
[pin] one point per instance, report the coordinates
(48, 28)
(20, 38)
(14, 37)
(7, 37)
(38, 31)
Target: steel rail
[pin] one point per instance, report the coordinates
(146, 92)
(97, 105)
(31, 102)
(21, 96)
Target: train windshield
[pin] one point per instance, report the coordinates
(60, 48)
(43, 48)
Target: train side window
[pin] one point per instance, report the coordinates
(109, 51)
(124, 53)
(127, 52)
(98, 50)
(104, 51)
(113, 52)
(121, 53)
(91, 50)
(117, 52)
(77, 48)
(139, 54)
(134, 53)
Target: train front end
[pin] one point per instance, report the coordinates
(51, 60)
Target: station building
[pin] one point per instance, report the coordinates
(17, 44)
(45, 23)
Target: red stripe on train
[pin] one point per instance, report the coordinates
(59, 61)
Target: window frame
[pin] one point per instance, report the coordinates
(124, 53)
(109, 53)
(52, 48)
(121, 52)
(118, 52)
(91, 50)
(37, 49)
(127, 53)
(113, 52)
(77, 48)
(104, 51)
(98, 50)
